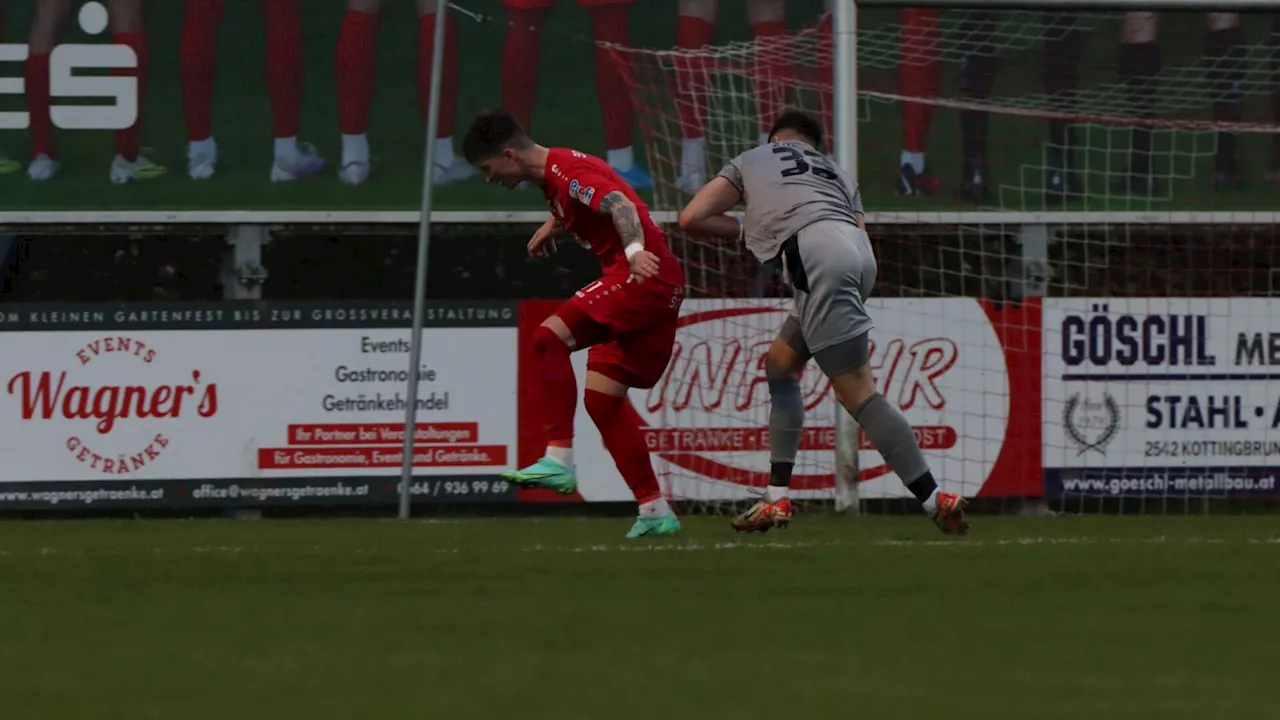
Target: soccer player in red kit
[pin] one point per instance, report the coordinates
(124, 17)
(627, 318)
(285, 65)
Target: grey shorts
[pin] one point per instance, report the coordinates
(833, 269)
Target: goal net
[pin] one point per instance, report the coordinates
(1074, 216)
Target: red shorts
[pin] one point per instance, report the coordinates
(630, 326)
(547, 4)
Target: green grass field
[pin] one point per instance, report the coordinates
(557, 618)
(567, 113)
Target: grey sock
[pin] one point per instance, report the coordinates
(786, 420)
(890, 432)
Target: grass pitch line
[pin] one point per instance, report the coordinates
(696, 546)
(693, 546)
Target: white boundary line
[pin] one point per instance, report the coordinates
(395, 217)
(677, 547)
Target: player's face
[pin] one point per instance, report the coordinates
(503, 170)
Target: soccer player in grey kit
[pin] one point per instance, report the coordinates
(802, 207)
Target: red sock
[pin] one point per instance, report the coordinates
(127, 141)
(620, 430)
(448, 72)
(559, 386)
(772, 60)
(355, 70)
(691, 78)
(284, 65)
(197, 63)
(918, 73)
(613, 85)
(38, 103)
(520, 63)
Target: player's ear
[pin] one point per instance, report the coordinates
(509, 154)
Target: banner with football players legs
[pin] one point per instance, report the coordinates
(520, 51)
(695, 29)
(1275, 95)
(919, 76)
(7, 165)
(52, 16)
(355, 71)
(284, 71)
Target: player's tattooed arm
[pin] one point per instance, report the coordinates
(626, 217)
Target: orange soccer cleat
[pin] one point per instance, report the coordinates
(764, 516)
(950, 516)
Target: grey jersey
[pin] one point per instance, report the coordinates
(788, 186)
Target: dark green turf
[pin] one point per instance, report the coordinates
(567, 113)
(558, 618)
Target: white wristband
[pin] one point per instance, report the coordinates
(631, 250)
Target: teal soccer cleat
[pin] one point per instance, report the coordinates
(660, 526)
(546, 473)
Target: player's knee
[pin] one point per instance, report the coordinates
(782, 363)
(854, 387)
(776, 369)
(602, 408)
(546, 341)
(49, 21)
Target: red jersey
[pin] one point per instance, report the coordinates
(575, 184)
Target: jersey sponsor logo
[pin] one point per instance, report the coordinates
(66, 80)
(581, 192)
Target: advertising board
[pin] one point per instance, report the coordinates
(189, 404)
(1161, 396)
(965, 373)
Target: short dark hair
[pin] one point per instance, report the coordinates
(800, 122)
(492, 132)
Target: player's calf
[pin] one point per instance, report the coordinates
(553, 471)
(606, 402)
(787, 356)
(888, 429)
